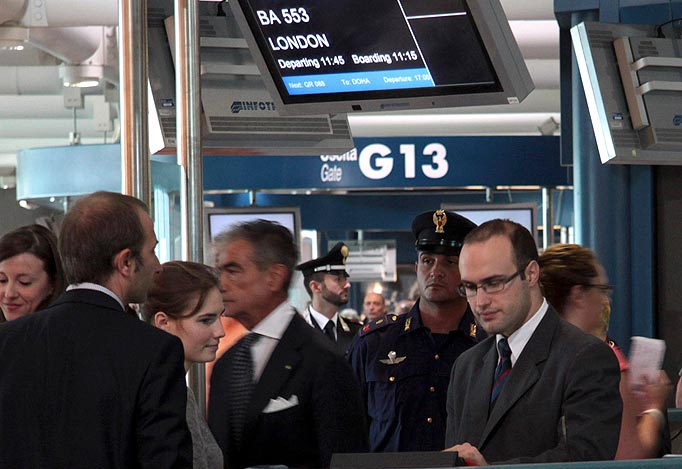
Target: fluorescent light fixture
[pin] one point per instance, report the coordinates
(81, 76)
(595, 105)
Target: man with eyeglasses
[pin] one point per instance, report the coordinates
(538, 389)
(404, 362)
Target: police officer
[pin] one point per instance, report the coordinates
(326, 281)
(403, 362)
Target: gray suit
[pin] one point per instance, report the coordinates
(560, 403)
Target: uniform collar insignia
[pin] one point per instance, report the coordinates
(472, 330)
(407, 324)
(343, 325)
(393, 359)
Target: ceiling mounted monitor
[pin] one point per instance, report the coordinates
(324, 56)
(632, 78)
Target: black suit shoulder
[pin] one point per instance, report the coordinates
(108, 364)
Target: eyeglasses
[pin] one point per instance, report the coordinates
(604, 288)
(493, 285)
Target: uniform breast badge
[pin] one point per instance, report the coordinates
(393, 359)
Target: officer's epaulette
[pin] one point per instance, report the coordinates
(378, 324)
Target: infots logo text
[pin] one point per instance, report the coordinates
(238, 106)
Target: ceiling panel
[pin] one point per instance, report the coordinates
(32, 111)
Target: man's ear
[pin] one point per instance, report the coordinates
(315, 286)
(533, 273)
(275, 276)
(162, 321)
(124, 262)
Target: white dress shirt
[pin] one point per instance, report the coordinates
(95, 286)
(271, 329)
(322, 320)
(520, 337)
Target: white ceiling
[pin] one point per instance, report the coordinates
(32, 104)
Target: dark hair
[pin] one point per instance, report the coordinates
(177, 287)
(94, 230)
(524, 249)
(563, 266)
(272, 244)
(42, 243)
(316, 276)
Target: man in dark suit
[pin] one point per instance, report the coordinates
(552, 395)
(282, 394)
(82, 383)
(326, 281)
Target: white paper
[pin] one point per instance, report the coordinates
(646, 358)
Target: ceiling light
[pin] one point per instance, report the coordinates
(12, 38)
(28, 205)
(81, 76)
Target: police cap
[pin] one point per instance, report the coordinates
(334, 262)
(441, 231)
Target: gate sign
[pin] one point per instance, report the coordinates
(399, 162)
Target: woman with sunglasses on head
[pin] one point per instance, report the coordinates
(31, 275)
(185, 301)
(575, 283)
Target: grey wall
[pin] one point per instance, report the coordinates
(13, 216)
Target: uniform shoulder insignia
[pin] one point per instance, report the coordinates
(378, 324)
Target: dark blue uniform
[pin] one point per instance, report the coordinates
(404, 371)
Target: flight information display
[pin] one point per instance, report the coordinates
(315, 47)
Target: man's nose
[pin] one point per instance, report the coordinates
(481, 299)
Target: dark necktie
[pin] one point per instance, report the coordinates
(503, 368)
(241, 386)
(329, 330)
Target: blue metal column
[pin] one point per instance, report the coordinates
(613, 216)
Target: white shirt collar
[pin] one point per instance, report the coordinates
(271, 329)
(95, 286)
(321, 319)
(276, 322)
(520, 337)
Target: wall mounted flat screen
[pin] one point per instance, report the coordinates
(222, 219)
(328, 56)
(523, 214)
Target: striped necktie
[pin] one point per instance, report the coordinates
(241, 386)
(504, 366)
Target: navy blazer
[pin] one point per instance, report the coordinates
(561, 401)
(328, 418)
(83, 385)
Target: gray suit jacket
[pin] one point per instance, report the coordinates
(561, 401)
